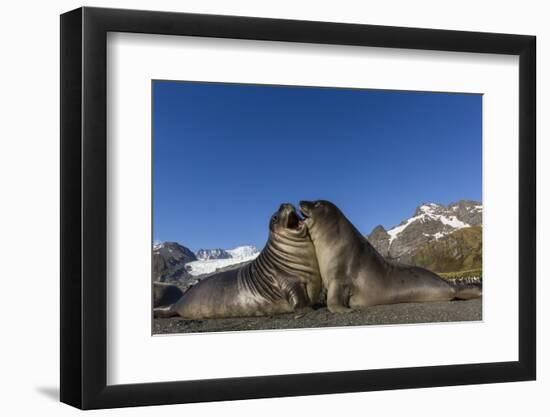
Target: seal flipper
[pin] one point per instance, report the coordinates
(164, 312)
(337, 297)
(467, 289)
(297, 297)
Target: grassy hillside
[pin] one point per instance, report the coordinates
(472, 273)
(459, 251)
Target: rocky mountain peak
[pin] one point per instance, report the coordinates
(379, 230)
(430, 221)
(173, 250)
(206, 254)
(468, 211)
(428, 208)
(169, 259)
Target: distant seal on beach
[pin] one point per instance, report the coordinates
(356, 275)
(283, 278)
(165, 294)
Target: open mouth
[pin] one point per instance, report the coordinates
(293, 221)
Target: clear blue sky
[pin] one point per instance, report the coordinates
(226, 155)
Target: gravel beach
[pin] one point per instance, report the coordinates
(447, 311)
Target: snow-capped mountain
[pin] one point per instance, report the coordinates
(207, 265)
(206, 254)
(169, 259)
(175, 263)
(429, 222)
(245, 251)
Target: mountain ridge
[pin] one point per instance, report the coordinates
(432, 223)
(173, 262)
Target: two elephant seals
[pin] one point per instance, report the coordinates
(356, 275)
(283, 278)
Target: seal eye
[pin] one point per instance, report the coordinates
(274, 219)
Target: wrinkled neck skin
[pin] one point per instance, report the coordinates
(334, 241)
(286, 259)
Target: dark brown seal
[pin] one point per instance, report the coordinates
(356, 275)
(165, 294)
(283, 278)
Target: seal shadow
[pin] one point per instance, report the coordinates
(50, 392)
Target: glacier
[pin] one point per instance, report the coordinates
(239, 255)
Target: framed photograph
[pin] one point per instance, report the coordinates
(256, 208)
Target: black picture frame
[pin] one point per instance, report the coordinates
(84, 207)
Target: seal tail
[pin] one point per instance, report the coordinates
(467, 288)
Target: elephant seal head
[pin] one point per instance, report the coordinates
(286, 222)
(320, 216)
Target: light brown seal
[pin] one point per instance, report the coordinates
(356, 275)
(283, 278)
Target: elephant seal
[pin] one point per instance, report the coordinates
(356, 275)
(165, 294)
(283, 278)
